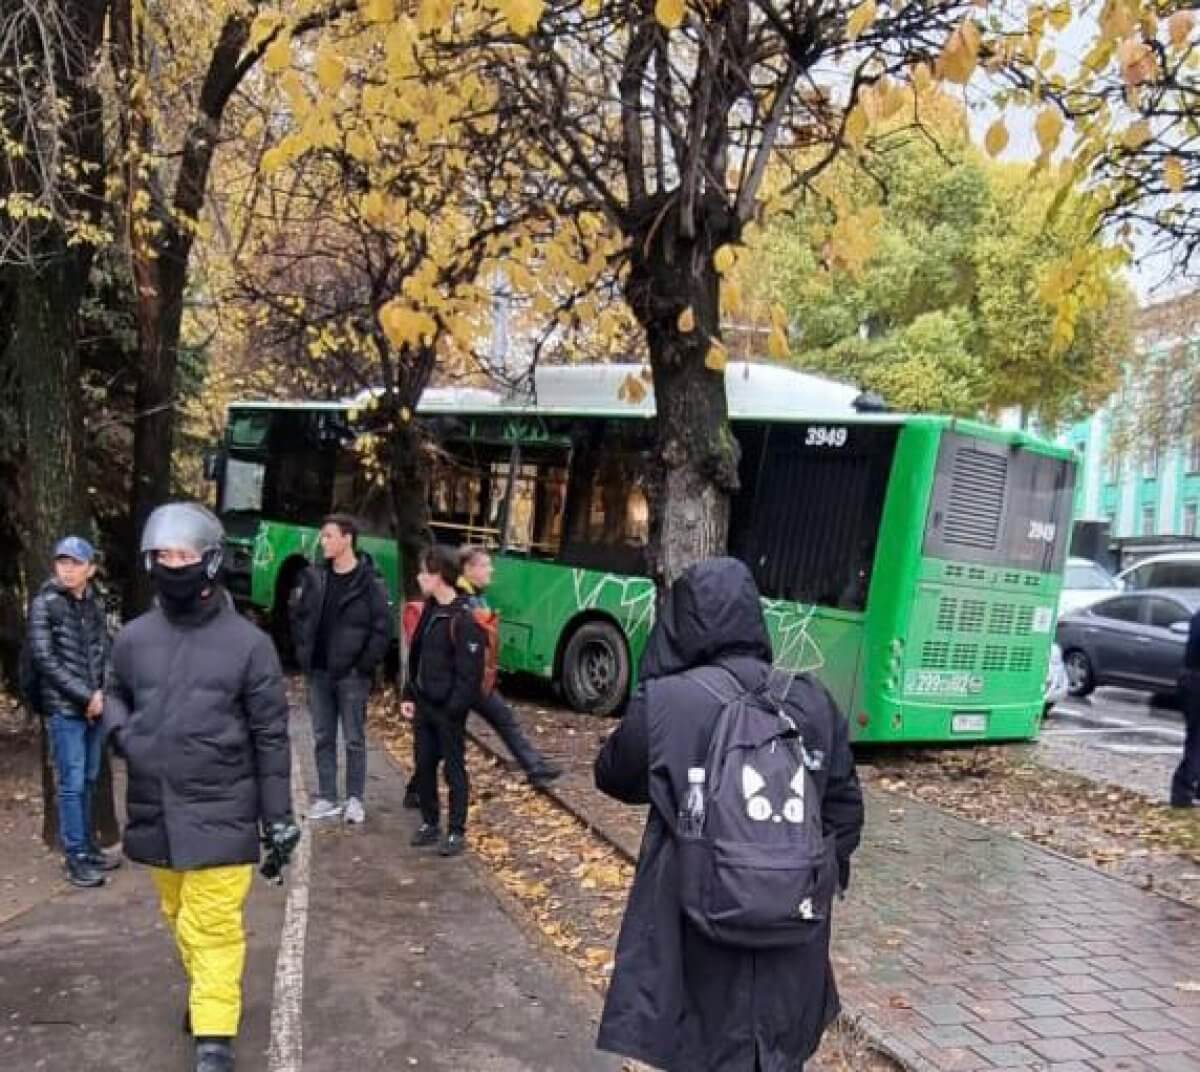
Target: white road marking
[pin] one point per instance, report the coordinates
(287, 1006)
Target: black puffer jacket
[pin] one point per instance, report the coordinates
(68, 639)
(446, 659)
(677, 1000)
(362, 630)
(196, 705)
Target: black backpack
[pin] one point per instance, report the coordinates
(761, 874)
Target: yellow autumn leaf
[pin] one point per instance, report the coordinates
(1179, 27)
(779, 317)
(687, 321)
(961, 54)
(724, 259)
(253, 128)
(1048, 126)
(632, 390)
(1060, 16)
(670, 13)
(1173, 174)
(717, 357)
(922, 77)
(379, 10)
(278, 56)
(1137, 61)
(264, 24)
(331, 71)
(591, 8)
(523, 15)
(1136, 135)
(777, 345)
(272, 160)
(860, 19)
(996, 138)
(731, 296)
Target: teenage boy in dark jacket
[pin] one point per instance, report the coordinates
(677, 1000)
(477, 569)
(197, 707)
(69, 644)
(445, 673)
(342, 628)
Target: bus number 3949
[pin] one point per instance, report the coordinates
(822, 436)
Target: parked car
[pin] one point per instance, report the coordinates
(1057, 683)
(1134, 639)
(1176, 569)
(1085, 582)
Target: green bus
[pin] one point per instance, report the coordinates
(912, 562)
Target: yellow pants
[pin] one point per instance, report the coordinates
(204, 909)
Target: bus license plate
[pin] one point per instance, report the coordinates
(968, 724)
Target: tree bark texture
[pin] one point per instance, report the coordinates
(671, 272)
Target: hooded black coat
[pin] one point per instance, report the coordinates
(196, 705)
(677, 1000)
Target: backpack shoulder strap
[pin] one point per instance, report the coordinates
(779, 684)
(718, 682)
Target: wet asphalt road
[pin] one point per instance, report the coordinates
(1129, 738)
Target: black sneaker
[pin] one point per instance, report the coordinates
(81, 873)
(453, 844)
(426, 835)
(214, 1054)
(544, 774)
(101, 860)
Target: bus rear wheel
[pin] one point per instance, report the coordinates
(595, 669)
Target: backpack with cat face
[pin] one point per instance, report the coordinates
(761, 874)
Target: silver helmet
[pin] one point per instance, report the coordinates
(184, 526)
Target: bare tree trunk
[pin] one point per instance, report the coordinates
(672, 273)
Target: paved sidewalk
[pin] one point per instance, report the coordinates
(410, 962)
(963, 949)
(413, 963)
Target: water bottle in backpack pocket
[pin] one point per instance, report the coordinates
(759, 872)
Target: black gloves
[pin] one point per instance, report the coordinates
(279, 840)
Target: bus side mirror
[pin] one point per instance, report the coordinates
(213, 464)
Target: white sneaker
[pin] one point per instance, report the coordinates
(355, 813)
(324, 809)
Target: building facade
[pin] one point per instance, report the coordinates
(1139, 457)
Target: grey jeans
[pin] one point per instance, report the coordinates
(343, 701)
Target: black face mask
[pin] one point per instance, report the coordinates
(180, 589)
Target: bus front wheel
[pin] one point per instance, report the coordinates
(595, 669)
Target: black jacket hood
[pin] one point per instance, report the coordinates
(711, 612)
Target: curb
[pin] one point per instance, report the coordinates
(903, 1055)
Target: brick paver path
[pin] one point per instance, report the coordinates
(964, 949)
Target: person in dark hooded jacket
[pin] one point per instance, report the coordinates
(678, 1000)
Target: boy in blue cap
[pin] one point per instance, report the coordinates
(69, 644)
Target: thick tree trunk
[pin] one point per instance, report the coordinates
(44, 353)
(671, 273)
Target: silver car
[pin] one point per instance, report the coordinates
(1135, 639)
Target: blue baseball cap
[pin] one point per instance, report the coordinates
(75, 547)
